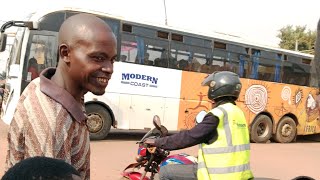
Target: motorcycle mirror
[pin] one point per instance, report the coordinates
(157, 122)
(200, 116)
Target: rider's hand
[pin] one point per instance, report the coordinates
(149, 141)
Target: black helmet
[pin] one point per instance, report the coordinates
(223, 84)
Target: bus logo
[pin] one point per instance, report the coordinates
(140, 80)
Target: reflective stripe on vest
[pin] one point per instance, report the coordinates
(237, 152)
(225, 170)
(242, 147)
(226, 126)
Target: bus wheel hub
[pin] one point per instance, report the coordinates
(286, 130)
(94, 123)
(262, 129)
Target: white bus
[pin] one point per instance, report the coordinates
(159, 70)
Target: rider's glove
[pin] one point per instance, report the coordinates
(149, 141)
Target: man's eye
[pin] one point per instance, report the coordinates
(113, 60)
(98, 58)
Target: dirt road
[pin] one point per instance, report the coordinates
(268, 161)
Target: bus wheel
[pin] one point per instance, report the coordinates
(286, 130)
(99, 121)
(261, 129)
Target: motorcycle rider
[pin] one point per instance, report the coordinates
(223, 135)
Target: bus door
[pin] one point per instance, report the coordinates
(41, 53)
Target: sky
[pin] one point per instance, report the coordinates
(256, 21)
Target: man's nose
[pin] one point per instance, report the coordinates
(107, 67)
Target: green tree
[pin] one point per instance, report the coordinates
(304, 38)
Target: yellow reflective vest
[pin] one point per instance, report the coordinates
(228, 157)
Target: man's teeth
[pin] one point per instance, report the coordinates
(103, 80)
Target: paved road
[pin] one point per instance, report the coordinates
(268, 161)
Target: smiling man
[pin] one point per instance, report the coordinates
(50, 118)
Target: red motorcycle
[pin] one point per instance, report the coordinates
(150, 159)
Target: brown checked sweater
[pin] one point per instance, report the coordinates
(49, 122)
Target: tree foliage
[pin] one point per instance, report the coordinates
(290, 35)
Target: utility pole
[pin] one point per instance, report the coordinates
(165, 12)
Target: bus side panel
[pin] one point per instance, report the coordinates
(279, 100)
(141, 111)
(193, 99)
(171, 116)
(144, 91)
(241, 101)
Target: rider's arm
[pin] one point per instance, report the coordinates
(201, 133)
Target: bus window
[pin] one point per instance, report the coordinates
(303, 73)
(114, 25)
(243, 66)
(266, 72)
(219, 54)
(188, 57)
(41, 53)
(217, 65)
(255, 58)
(231, 63)
(143, 50)
(277, 73)
(229, 60)
(52, 21)
(41, 50)
(128, 48)
(206, 66)
(294, 73)
(203, 56)
(287, 73)
(155, 49)
(180, 56)
(267, 69)
(205, 62)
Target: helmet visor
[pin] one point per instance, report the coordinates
(208, 79)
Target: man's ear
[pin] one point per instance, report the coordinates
(64, 51)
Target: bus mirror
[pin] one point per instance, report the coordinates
(3, 42)
(31, 24)
(14, 71)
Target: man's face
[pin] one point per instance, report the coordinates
(91, 61)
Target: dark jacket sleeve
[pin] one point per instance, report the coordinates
(201, 133)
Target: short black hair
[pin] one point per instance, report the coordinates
(41, 168)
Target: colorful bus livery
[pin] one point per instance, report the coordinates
(159, 70)
(281, 110)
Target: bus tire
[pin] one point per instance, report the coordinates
(99, 121)
(261, 129)
(286, 130)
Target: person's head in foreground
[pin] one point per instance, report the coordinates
(87, 51)
(42, 168)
